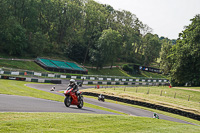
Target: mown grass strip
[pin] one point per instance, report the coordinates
(87, 123)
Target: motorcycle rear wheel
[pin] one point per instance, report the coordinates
(67, 101)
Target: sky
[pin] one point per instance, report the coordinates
(166, 17)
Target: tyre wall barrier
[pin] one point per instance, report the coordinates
(31, 79)
(123, 83)
(97, 78)
(149, 105)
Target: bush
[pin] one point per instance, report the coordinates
(127, 68)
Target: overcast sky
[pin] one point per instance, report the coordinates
(166, 17)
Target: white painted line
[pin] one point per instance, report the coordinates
(109, 79)
(1, 72)
(14, 73)
(28, 79)
(83, 77)
(73, 77)
(41, 80)
(51, 75)
(92, 78)
(104, 83)
(100, 78)
(116, 79)
(123, 79)
(63, 76)
(85, 83)
(37, 74)
(131, 80)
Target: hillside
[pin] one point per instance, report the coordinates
(32, 66)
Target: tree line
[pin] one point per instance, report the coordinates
(94, 33)
(182, 61)
(82, 30)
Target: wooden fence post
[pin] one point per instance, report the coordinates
(175, 95)
(189, 98)
(148, 91)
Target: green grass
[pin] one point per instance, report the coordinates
(12, 87)
(167, 98)
(153, 110)
(18, 88)
(152, 75)
(107, 71)
(32, 66)
(25, 65)
(79, 123)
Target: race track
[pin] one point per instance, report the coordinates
(121, 108)
(10, 103)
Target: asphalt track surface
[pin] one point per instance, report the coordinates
(10, 103)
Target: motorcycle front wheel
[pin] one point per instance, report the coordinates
(81, 104)
(67, 101)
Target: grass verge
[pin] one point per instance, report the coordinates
(152, 95)
(152, 110)
(79, 123)
(18, 88)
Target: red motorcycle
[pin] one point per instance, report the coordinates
(72, 99)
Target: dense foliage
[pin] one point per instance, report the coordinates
(82, 30)
(182, 60)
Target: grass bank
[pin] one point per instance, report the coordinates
(79, 123)
(24, 65)
(32, 66)
(169, 97)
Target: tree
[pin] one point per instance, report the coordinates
(107, 48)
(165, 63)
(14, 40)
(184, 56)
(95, 17)
(39, 44)
(151, 46)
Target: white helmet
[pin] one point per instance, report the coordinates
(72, 81)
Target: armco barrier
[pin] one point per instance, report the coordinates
(31, 79)
(149, 105)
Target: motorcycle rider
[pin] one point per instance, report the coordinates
(75, 87)
(155, 115)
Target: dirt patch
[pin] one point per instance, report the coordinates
(187, 89)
